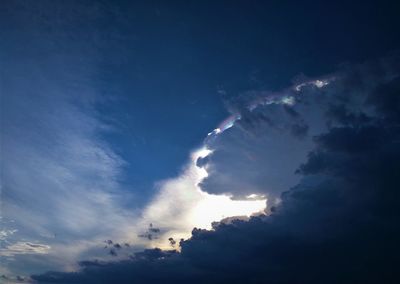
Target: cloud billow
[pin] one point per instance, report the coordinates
(338, 224)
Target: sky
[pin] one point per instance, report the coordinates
(199, 141)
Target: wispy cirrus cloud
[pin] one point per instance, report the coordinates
(60, 178)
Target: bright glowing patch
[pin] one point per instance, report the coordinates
(317, 83)
(210, 207)
(256, 197)
(288, 101)
(201, 153)
(228, 123)
(217, 207)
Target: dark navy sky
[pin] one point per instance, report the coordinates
(115, 95)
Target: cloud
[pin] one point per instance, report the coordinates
(24, 248)
(6, 233)
(60, 179)
(273, 135)
(338, 224)
(318, 83)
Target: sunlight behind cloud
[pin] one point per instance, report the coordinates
(211, 208)
(217, 207)
(181, 205)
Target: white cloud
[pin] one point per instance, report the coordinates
(4, 234)
(24, 248)
(319, 83)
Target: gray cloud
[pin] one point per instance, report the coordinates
(261, 152)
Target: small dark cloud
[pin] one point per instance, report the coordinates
(172, 242)
(154, 230)
(113, 252)
(201, 162)
(151, 233)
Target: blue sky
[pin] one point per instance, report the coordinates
(104, 103)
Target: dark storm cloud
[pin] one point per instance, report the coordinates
(261, 152)
(339, 224)
(257, 160)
